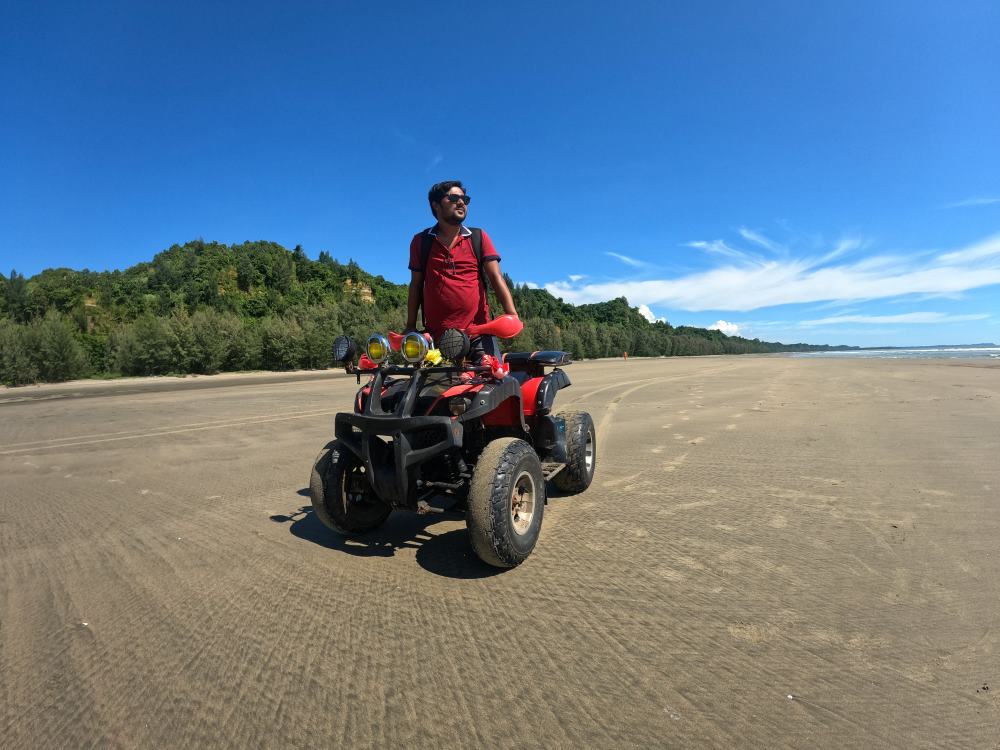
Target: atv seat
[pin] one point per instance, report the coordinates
(522, 360)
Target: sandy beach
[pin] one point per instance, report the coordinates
(775, 552)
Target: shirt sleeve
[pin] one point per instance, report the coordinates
(489, 251)
(415, 253)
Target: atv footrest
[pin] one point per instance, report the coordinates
(550, 469)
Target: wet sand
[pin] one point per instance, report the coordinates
(775, 552)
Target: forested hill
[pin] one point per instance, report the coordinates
(205, 307)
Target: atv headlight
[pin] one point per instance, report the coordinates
(454, 345)
(414, 347)
(377, 348)
(343, 349)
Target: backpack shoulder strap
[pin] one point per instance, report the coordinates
(477, 243)
(477, 248)
(426, 241)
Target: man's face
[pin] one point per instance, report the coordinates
(452, 213)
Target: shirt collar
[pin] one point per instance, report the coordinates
(464, 231)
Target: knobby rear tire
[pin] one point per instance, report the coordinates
(581, 453)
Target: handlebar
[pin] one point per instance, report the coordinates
(503, 326)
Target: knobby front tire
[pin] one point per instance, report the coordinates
(506, 503)
(342, 497)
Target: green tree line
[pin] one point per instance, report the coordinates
(207, 307)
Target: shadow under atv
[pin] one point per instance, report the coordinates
(448, 554)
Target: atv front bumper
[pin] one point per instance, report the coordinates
(392, 448)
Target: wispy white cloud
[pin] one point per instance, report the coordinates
(627, 260)
(718, 247)
(917, 298)
(746, 285)
(435, 160)
(575, 277)
(909, 318)
(983, 249)
(730, 329)
(844, 247)
(985, 201)
(758, 239)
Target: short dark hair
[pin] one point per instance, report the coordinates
(440, 190)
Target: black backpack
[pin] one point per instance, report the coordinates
(427, 241)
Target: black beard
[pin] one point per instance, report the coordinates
(452, 219)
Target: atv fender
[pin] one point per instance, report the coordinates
(538, 394)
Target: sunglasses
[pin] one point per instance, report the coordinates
(456, 198)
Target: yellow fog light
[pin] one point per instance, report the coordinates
(414, 347)
(377, 348)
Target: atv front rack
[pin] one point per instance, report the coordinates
(391, 448)
(393, 444)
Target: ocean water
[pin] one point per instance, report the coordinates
(937, 352)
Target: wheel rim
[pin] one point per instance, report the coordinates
(355, 488)
(588, 452)
(522, 502)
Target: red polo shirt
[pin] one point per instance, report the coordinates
(453, 294)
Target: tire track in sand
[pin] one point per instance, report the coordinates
(160, 433)
(51, 442)
(612, 406)
(588, 394)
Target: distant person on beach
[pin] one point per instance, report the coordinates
(450, 266)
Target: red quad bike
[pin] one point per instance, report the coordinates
(437, 434)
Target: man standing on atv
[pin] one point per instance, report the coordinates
(450, 265)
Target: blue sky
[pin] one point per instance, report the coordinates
(825, 172)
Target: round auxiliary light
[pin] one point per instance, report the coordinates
(377, 348)
(414, 347)
(454, 345)
(344, 349)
